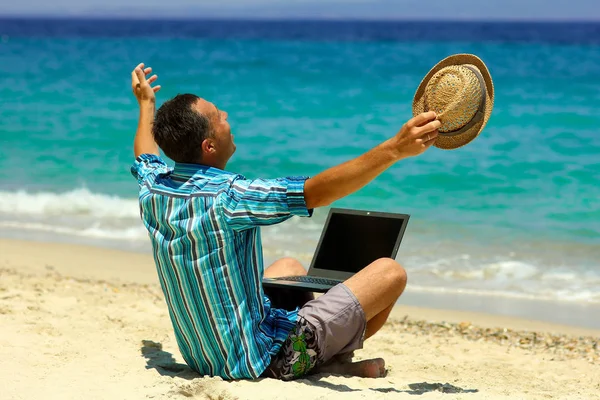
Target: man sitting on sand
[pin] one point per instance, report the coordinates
(204, 224)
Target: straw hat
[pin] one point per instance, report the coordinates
(461, 92)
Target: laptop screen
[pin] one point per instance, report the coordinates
(351, 242)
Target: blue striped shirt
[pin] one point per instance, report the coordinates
(204, 225)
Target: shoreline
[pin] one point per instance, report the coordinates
(80, 319)
(532, 311)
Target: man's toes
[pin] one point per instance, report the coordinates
(381, 363)
(372, 370)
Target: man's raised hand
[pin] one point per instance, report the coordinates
(418, 134)
(142, 87)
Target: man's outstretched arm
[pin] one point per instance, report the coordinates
(416, 136)
(145, 95)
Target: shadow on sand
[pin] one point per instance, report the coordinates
(164, 363)
(415, 388)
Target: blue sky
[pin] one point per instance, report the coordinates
(395, 9)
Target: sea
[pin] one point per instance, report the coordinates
(509, 224)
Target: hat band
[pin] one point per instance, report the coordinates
(480, 111)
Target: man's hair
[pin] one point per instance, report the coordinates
(179, 129)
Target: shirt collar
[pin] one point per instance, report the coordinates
(186, 171)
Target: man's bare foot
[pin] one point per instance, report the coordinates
(373, 368)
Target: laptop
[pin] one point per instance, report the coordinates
(350, 240)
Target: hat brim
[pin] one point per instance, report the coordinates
(456, 141)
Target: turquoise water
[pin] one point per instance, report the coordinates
(516, 213)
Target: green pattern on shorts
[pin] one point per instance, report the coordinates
(298, 354)
(301, 366)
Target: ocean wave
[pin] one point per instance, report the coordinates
(508, 270)
(568, 296)
(132, 233)
(456, 267)
(77, 202)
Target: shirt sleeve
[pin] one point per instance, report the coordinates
(250, 203)
(148, 166)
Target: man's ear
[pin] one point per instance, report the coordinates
(208, 146)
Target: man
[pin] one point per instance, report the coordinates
(204, 224)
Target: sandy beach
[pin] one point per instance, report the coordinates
(90, 323)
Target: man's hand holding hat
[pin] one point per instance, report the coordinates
(417, 134)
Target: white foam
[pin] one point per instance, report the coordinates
(588, 297)
(75, 202)
(133, 233)
(509, 270)
(531, 279)
(500, 271)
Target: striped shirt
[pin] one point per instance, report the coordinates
(204, 225)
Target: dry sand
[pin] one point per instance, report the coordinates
(89, 323)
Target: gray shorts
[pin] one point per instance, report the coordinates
(331, 324)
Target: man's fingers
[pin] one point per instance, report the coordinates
(134, 77)
(430, 137)
(427, 141)
(152, 78)
(156, 88)
(140, 75)
(147, 70)
(427, 128)
(421, 119)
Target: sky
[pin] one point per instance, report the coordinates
(331, 9)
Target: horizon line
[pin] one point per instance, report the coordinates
(182, 17)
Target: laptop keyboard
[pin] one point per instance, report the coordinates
(310, 279)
